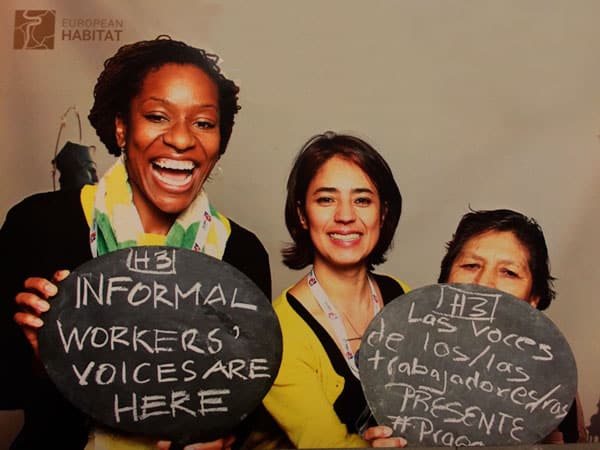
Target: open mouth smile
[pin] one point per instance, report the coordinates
(173, 172)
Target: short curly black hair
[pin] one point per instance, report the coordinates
(313, 154)
(124, 73)
(526, 230)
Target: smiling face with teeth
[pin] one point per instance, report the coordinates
(172, 141)
(342, 214)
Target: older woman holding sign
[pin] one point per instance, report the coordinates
(167, 112)
(506, 250)
(342, 209)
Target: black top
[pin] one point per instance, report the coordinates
(42, 234)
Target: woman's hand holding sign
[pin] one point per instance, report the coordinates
(33, 302)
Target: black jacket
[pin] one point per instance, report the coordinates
(44, 233)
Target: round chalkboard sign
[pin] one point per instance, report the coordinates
(459, 365)
(162, 342)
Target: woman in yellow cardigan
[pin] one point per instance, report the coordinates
(342, 209)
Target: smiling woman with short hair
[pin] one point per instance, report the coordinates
(166, 110)
(342, 209)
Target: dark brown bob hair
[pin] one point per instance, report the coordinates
(314, 153)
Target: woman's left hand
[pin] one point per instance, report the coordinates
(381, 436)
(219, 444)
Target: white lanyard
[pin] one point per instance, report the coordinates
(335, 319)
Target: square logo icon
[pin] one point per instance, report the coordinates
(34, 29)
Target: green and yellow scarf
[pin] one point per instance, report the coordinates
(115, 223)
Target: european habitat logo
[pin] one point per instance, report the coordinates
(40, 29)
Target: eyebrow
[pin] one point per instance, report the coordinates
(354, 191)
(166, 102)
(502, 261)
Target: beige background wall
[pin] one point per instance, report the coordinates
(482, 103)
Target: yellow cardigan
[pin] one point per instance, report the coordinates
(302, 397)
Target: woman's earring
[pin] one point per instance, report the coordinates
(216, 173)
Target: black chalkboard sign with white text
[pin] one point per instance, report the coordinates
(461, 365)
(162, 342)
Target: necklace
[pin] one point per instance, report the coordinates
(335, 319)
(358, 336)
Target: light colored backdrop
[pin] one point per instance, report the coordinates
(482, 103)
